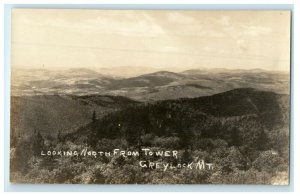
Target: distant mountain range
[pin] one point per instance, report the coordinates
(148, 87)
(53, 101)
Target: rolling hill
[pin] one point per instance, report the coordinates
(50, 114)
(239, 131)
(147, 87)
(230, 115)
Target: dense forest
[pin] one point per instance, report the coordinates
(243, 132)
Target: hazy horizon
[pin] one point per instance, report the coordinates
(128, 72)
(150, 40)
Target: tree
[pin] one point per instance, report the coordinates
(236, 139)
(94, 117)
(186, 157)
(267, 161)
(185, 138)
(36, 143)
(59, 136)
(262, 140)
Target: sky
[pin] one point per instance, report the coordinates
(164, 40)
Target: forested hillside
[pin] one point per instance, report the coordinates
(243, 132)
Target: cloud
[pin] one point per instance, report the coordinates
(207, 49)
(242, 46)
(126, 23)
(224, 20)
(169, 49)
(180, 18)
(256, 30)
(135, 27)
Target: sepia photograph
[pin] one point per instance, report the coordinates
(150, 96)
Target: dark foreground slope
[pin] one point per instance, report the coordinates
(244, 133)
(50, 114)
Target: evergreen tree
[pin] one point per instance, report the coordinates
(236, 139)
(185, 138)
(262, 140)
(59, 136)
(94, 117)
(37, 143)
